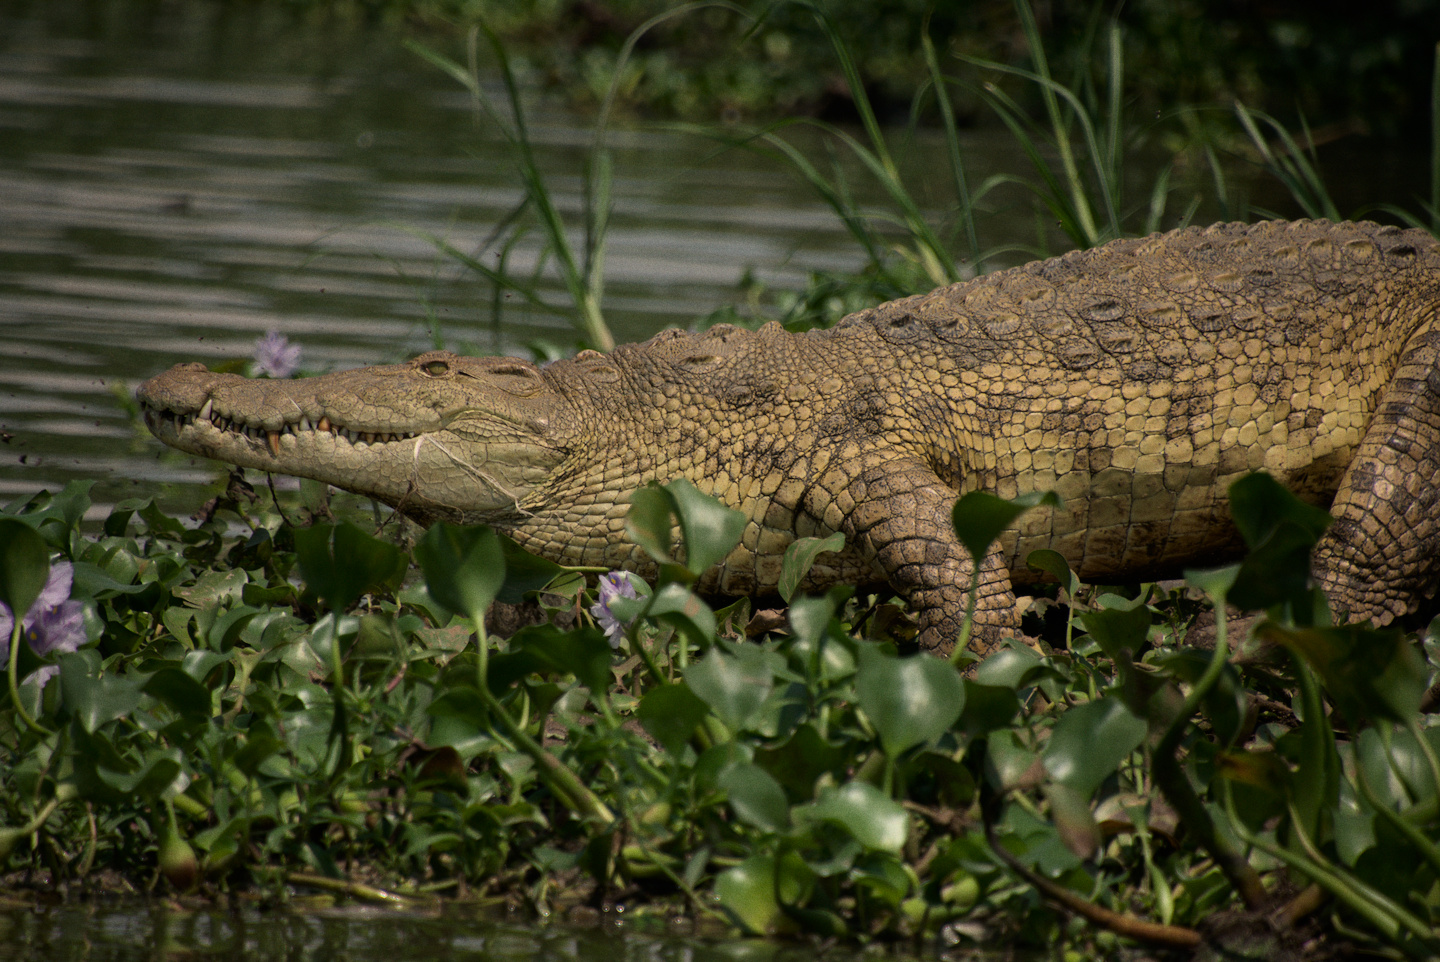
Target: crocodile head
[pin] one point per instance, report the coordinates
(441, 437)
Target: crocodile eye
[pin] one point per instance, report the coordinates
(436, 368)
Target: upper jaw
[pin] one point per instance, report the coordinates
(448, 447)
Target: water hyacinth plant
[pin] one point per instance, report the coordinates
(275, 356)
(363, 730)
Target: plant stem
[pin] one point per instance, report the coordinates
(17, 635)
(1176, 788)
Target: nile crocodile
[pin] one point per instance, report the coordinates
(1138, 380)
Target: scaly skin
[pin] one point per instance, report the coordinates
(1138, 380)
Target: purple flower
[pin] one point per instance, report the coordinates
(275, 356)
(614, 585)
(53, 624)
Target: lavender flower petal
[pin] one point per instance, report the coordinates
(614, 585)
(275, 356)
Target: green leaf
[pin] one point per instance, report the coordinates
(757, 799)
(801, 760)
(524, 572)
(734, 686)
(979, 517)
(1009, 762)
(799, 558)
(747, 894)
(1012, 668)
(1261, 506)
(1053, 563)
(1090, 741)
(987, 707)
(1215, 582)
(158, 770)
(910, 701)
(92, 695)
(871, 817)
(648, 523)
(340, 563)
(188, 698)
(670, 714)
(464, 568)
(584, 652)
(1119, 626)
(710, 530)
(676, 605)
(1371, 674)
(24, 566)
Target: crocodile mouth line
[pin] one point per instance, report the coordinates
(179, 420)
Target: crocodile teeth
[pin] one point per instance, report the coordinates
(273, 439)
(206, 411)
(323, 424)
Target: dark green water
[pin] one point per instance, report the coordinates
(149, 932)
(176, 179)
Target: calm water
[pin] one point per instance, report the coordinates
(144, 932)
(178, 178)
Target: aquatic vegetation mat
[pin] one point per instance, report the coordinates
(244, 706)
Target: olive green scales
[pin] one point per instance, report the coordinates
(1138, 380)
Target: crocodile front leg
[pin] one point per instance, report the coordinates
(898, 514)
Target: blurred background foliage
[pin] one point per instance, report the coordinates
(1339, 68)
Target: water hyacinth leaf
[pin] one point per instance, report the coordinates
(987, 707)
(1090, 741)
(339, 563)
(1053, 563)
(1277, 571)
(1036, 842)
(1370, 674)
(809, 618)
(464, 568)
(1012, 668)
(1260, 770)
(1407, 761)
(670, 714)
(93, 696)
(59, 514)
(910, 701)
(800, 557)
(747, 894)
(677, 606)
(802, 759)
(1215, 582)
(259, 744)
(24, 566)
(756, 798)
(980, 516)
(734, 686)
(714, 761)
(1261, 506)
(1225, 704)
(883, 877)
(182, 693)
(1119, 627)
(649, 524)
(1010, 763)
(871, 817)
(157, 772)
(709, 528)
(954, 784)
(584, 652)
(1354, 826)
(524, 572)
